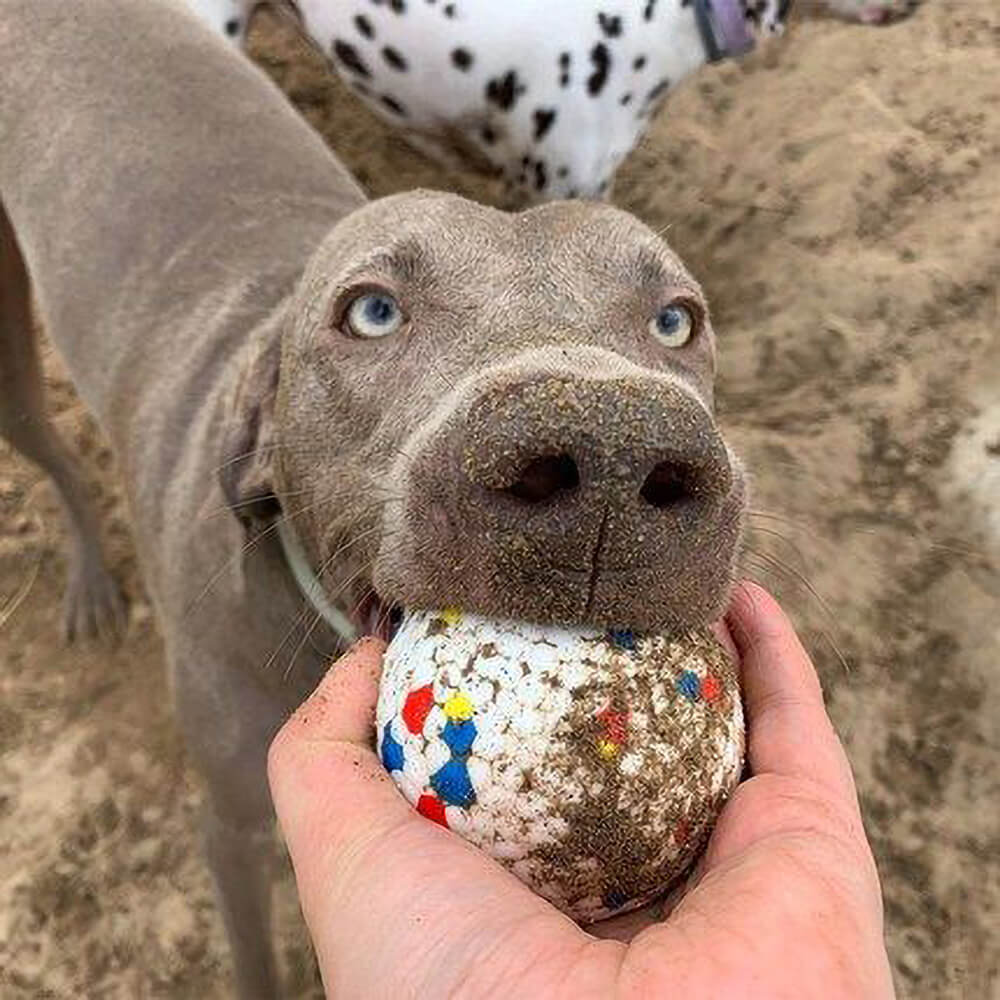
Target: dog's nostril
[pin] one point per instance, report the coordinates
(545, 476)
(668, 484)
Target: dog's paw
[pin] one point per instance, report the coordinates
(872, 11)
(93, 604)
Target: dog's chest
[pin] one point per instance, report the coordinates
(556, 92)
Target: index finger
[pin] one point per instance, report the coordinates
(789, 730)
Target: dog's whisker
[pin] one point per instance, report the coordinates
(361, 536)
(229, 563)
(319, 618)
(297, 619)
(229, 508)
(243, 456)
(795, 549)
(801, 526)
(258, 537)
(268, 530)
(772, 563)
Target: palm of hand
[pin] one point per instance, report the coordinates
(784, 903)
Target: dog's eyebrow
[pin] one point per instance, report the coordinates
(401, 260)
(653, 269)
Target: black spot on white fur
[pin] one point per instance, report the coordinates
(348, 55)
(503, 91)
(534, 172)
(394, 59)
(397, 6)
(233, 27)
(461, 58)
(364, 26)
(638, 62)
(393, 105)
(649, 9)
(564, 60)
(610, 25)
(600, 57)
(544, 120)
(449, 10)
(658, 91)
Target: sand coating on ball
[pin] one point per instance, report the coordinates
(593, 764)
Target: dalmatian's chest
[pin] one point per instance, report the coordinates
(552, 95)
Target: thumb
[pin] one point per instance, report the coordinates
(329, 789)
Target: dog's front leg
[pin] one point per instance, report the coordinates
(241, 858)
(228, 723)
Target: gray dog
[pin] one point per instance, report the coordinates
(416, 401)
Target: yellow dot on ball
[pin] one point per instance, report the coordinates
(459, 707)
(451, 616)
(607, 749)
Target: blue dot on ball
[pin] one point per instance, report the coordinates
(453, 785)
(689, 685)
(459, 736)
(622, 638)
(392, 750)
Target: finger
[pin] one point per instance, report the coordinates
(325, 777)
(721, 632)
(342, 707)
(789, 730)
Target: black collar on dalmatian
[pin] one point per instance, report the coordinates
(724, 30)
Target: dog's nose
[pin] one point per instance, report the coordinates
(667, 483)
(586, 491)
(545, 476)
(643, 443)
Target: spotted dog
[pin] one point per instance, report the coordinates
(552, 96)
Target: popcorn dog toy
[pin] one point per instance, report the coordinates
(592, 764)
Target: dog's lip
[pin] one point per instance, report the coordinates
(374, 616)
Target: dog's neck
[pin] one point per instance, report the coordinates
(724, 28)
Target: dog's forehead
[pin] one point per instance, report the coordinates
(447, 236)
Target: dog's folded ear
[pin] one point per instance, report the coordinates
(247, 460)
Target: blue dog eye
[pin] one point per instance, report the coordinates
(673, 325)
(669, 321)
(379, 309)
(374, 314)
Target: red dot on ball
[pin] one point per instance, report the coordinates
(710, 687)
(433, 808)
(416, 707)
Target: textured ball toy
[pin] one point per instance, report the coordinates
(592, 764)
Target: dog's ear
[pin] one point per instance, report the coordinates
(246, 469)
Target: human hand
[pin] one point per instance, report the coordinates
(784, 903)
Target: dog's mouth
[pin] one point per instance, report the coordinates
(371, 615)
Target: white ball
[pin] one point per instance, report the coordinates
(592, 764)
